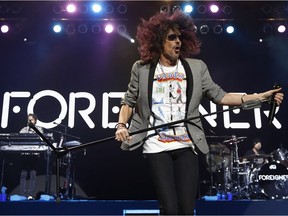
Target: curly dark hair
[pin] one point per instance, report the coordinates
(151, 34)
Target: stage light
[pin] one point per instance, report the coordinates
(188, 9)
(217, 29)
(281, 28)
(164, 9)
(57, 28)
(57, 9)
(230, 29)
(96, 8)
(214, 8)
(202, 9)
(195, 29)
(132, 40)
(71, 8)
(280, 8)
(121, 29)
(266, 9)
(176, 7)
(267, 28)
(227, 9)
(16, 9)
(96, 28)
(4, 29)
(83, 9)
(109, 28)
(70, 29)
(204, 29)
(122, 9)
(82, 28)
(4, 8)
(109, 9)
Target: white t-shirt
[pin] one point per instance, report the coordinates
(168, 105)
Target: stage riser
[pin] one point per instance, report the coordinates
(119, 207)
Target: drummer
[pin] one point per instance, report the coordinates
(256, 154)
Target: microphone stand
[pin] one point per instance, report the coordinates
(59, 152)
(62, 141)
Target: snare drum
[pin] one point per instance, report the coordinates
(273, 179)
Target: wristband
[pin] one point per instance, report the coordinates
(119, 125)
(242, 98)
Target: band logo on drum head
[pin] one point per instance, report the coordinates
(272, 179)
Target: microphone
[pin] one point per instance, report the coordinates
(29, 122)
(31, 125)
(272, 106)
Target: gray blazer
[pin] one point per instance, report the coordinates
(139, 96)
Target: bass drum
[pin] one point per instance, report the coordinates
(273, 179)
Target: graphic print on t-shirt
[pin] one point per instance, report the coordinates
(169, 102)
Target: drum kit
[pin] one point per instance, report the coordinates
(262, 176)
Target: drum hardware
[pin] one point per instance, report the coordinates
(67, 162)
(273, 179)
(234, 139)
(218, 154)
(251, 182)
(268, 180)
(244, 172)
(244, 177)
(240, 191)
(279, 155)
(252, 157)
(239, 170)
(257, 160)
(218, 160)
(226, 162)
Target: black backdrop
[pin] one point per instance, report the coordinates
(99, 63)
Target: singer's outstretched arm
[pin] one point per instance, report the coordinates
(231, 99)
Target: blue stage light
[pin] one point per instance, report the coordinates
(188, 9)
(96, 8)
(57, 28)
(230, 29)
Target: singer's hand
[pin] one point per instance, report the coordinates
(278, 95)
(122, 134)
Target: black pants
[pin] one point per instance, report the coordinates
(175, 175)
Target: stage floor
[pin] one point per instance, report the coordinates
(140, 207)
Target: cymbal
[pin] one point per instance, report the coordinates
(234, 139)
(243, 162)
